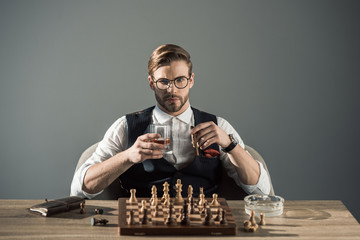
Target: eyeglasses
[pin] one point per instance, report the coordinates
(179, 82)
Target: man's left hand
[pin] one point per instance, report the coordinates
(208, 133)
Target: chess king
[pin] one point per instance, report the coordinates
(127, 159)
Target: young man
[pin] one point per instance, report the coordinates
(126, 154)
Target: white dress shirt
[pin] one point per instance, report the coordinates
(115, 141)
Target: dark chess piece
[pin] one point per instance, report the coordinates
(223, 220)
(144, 220)
(204, 207)
(171, 220)
(184, 219)
(131, 220)
(96, 221)
(208, 217)
(218, 215)
(82, 208)
(191, 205)
(99, 211)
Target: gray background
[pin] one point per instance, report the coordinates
(285, 74)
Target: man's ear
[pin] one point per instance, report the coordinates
(191, 80)
(151, 83)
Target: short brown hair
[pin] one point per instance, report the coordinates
(165, 54)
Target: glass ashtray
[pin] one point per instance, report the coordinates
(271, 206)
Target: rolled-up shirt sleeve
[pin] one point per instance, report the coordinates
(263, 184)
(113, 142)
(77, 182)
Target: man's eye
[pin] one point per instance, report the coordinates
(164, 82)
(180, 80)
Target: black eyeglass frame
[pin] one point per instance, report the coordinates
(169, 84)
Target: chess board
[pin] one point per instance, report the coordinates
(157, 226)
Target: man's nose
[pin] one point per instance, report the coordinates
(172, 87)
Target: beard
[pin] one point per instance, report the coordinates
(171, 107)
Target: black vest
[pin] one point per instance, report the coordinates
(202, 172)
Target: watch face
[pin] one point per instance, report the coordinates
(232, 138)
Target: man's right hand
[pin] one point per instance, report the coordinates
(144, 149)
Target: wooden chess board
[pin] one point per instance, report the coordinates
(157, 226)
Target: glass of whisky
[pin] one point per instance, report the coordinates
(165, 132)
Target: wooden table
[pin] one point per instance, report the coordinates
(300, 220)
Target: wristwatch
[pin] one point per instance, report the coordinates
(232, 144)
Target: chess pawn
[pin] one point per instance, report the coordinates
(208, 217)
(131, 220)
(201, 199)
(144, 219)
(218, 215)
(215, 201)
(208, 211)
(143, 206)
(184, 217)
(262, 219)
(132, 198)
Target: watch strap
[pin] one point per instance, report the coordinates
(231, 146)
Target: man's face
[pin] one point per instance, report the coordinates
(173, 101)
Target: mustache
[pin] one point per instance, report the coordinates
(171, 96)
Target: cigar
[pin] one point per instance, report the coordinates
(194, 143)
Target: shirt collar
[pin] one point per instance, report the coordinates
(163, 117)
